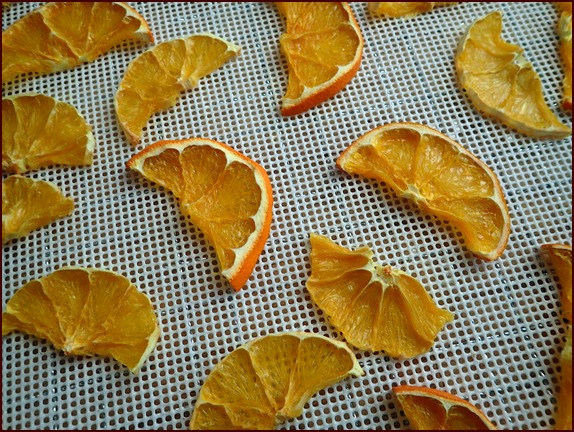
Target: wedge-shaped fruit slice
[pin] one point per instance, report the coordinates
(430, 409)
(404, 9)
(376, 308)
(502, 83)
(270, 379)
(38, 131)
(565, 33)
(225, 194)
(440, 176)
(564, 408)
(29, 204)
(61, 35)
(560, 258)
(154, 80)
(85, 312)
(323, 46)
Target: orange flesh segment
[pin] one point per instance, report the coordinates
(86, 312)
(375, 308)
(430, 409)
(61, 35)
(440, 176)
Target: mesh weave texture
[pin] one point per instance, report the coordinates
(501, 352)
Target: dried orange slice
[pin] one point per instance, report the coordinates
(564, 407)
(86, 311)
(154, 80)
(29, 204)
(404, 9)
(376, 308)
(225, 194)
(564, 6)
(61, 35)
(323, 46)
(38, 131)
(502, 83)
(430, 409)
(440, 176)
(565, 33)
(270, 379)
(560, 257)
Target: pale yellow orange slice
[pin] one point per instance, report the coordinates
(61, 35)
(323, 46)
(501, 83)
(155, 80)
(29, 204)
(86, 311)
(39, 131)
(375, 308)
(270, 379)
(225, 194)
(440, 176)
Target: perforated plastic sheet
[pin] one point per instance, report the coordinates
(502, 350)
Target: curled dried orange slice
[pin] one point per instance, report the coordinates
(225, 194)
(155, 79)
(376, 308)
(502, 83)
(29, 204)
(560, 257)
(60, 35)
(270, 379)
(440, 176)
(323, 46)
(86, 311)
(430, 409)
(564, 29)
(564, 407)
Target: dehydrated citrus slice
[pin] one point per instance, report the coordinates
(560, 257)
(61, 35)
(440, 176)
(225, 194)
(270, 379)
(564, 407)
(565, 33)
(323, 46)
(38, 131)
(85, 312)
(404, 9)
(154, 80)
(430, 409)
(376, 308)
(30, 204)
(502, 83)
(564, 6)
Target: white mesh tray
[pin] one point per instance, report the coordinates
(502, 350)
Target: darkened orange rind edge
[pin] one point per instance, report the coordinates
(440, 394)
(330, 91)
(238, 280)
(416, 126)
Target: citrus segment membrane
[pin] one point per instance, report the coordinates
(85, 311)
(502, 83)
(270, 379)
(375, 308)
(440, 176)
(155, 79)
(29, 204)
(323, 46)
(560, 259)
(61, 35)
(38, 131)
(431, 409)
(225, 194)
